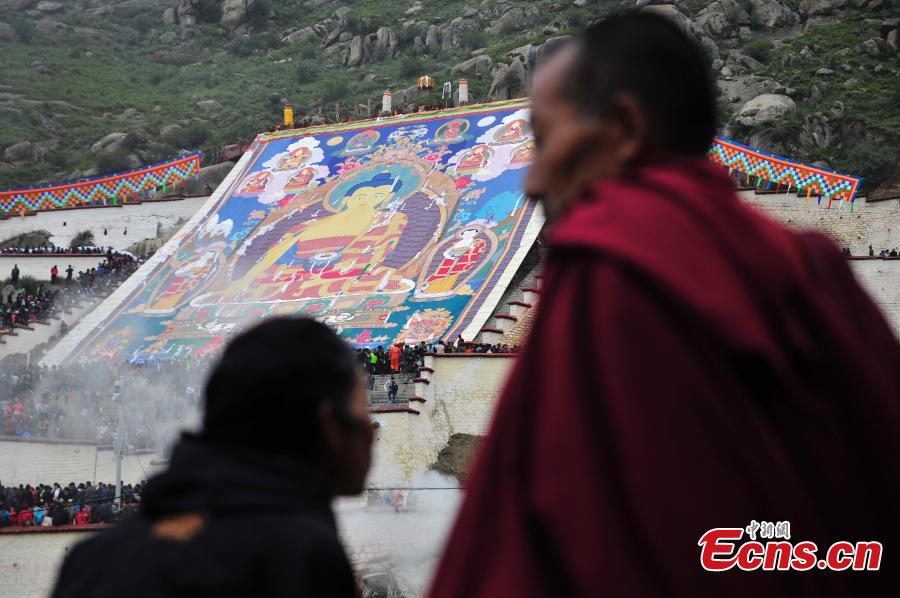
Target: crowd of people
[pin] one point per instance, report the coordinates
(79, 401)
(51, 250)
(46, 505)
(883, 253)
(407, 358)
(20, 307)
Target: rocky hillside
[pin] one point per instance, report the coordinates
(92, 86)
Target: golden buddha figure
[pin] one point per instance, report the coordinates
(339, 253)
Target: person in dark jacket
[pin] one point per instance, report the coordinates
(244, 508)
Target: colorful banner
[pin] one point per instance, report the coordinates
(780, 171)
(108, 190)
(403, 230)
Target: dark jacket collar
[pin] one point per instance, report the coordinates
(211, 479)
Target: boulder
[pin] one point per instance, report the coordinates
(170, 16)
(385, 46)
(235, 13)
(341, 13)
(209, 105)
(19, 153)
(817, 132)
(892, 40)
(169, 37)
(765, 108)
(823, 72)
(20, 4)
(811, 8)
(355, 56)
(514, 19)
(431, 40)
(49, 7)
(333, 36)
(509, 81)
(114, 143)
(170, 132)
(209, 175)
(474, 66)
(7, 33)
(741, 63)
(712, 21)
(772, 13)
(300, 36)
(870, 47)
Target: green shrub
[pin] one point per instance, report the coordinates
(110, 163)
(83, 239)
(143, 22)
(335, 90)
(472, 39)
(191, 136)
(23, 28)
(411, 66)
(759, 49)
(307, 71)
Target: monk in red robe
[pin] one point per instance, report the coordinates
(394, 355)
(692, 365)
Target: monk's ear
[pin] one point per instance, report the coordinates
(330, 427)
(630, 127)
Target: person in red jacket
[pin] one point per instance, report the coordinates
(681, 378)
(54, 274)
(25, 517)
(82, 517)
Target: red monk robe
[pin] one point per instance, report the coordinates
(394, 355)
(692, 365)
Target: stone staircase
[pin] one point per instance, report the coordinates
(378, 396)
(510, 321)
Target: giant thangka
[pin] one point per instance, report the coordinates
(399, 230)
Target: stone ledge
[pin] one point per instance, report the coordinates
(425, 368)
(417, 399)
(506, 317)
(479, 355)
(51, 255)
(520, 304)
(491, 329)
(48, 440)
(54, 529)
(422, 380)
(531, 290)
(393, 410)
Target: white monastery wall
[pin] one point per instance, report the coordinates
(876, 223)
(140, 220)
(31, 461)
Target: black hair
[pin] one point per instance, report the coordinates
(266, 390)
(652, 58)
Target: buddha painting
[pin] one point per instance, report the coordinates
(256, 183)
(475, 159)
(362, 142)
(514, 132)
(296, 158)
(188, 277)
(454, 261)
(340, 253)
(301, 179)
(523, 154)
(451, 132)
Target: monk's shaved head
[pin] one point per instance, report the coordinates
(628, 90)
(650, 57)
